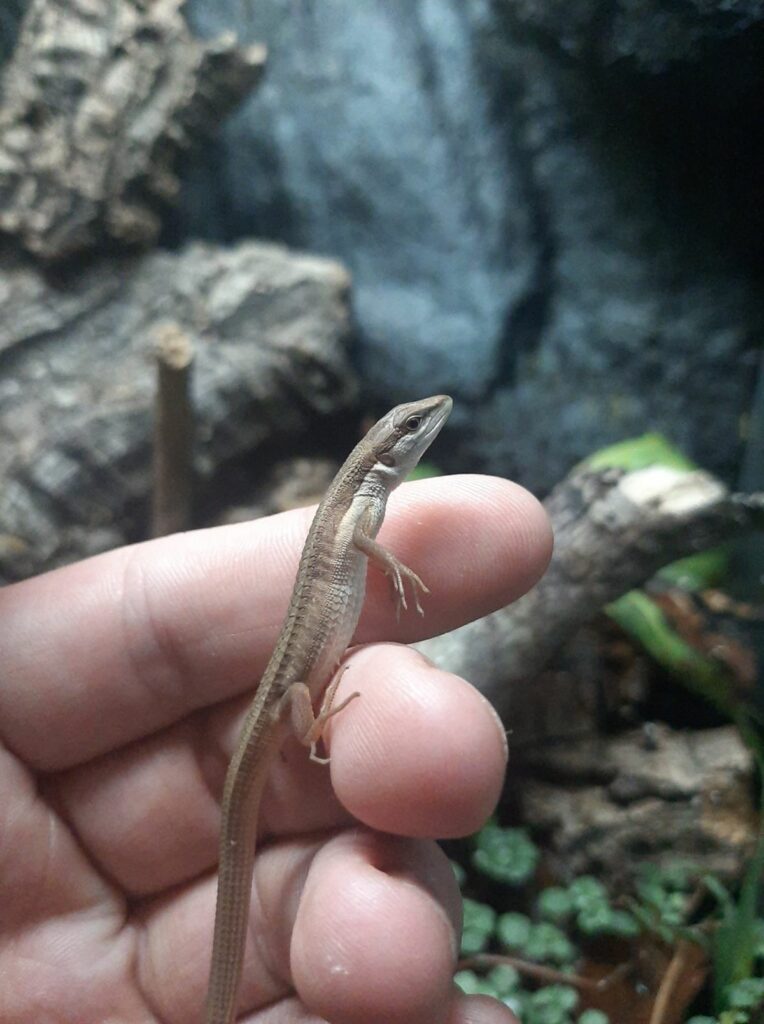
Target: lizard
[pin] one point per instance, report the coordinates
(321, 618)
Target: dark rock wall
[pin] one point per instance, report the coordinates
(551, 215)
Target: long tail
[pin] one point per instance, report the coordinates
(237, 854)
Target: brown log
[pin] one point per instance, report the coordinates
(613, 531)
(77, 379)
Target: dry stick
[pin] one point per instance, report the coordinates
(537, 971)
(173, 429)
(669, 981)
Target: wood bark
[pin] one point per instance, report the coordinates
(613, 531)
(607, 804)
(100, 98)
(77, 383)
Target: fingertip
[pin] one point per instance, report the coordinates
(479, 543)
(479, 1010)
(375, 935)
(424, 753)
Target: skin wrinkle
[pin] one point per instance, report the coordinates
(56, 811)
(138, 620)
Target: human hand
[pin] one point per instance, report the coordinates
(125, 679)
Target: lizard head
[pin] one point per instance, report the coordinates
(401, 438)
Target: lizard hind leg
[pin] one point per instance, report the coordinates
(308, 727)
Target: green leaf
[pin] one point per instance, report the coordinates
(736, 938)
(505, 854)
(505, 980)
(623, 924)
(640, 453)
(551, 1005)
(644, 620)
(555, 903)
(513, 930)
(758, 942)
(423, 471)
(586, 891)
(697, 572)
(594, 918)
(734, 1017)
(747, 994)
(473, 985)
(546, 943)
(593, 1017)
(479, 921)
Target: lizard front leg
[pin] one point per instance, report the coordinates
(392, 566)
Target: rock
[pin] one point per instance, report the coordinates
(652, 32)
(514, 234)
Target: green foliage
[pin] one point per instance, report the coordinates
(423, 471)
(640, 617)
(505, 854)
(640, 453)
(664, 892)
(746, 994)
(637, 614)
(546, 943)
(513, 930)
(555, 903)
(563, 915)
(543, 942)
(550, 1005)
(697, 572)
(479, 922)
(594, 914)
(737, 942)
(500, 982)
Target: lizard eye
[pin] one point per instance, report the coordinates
(412, 423)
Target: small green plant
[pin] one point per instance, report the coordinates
(555, 932)
(505, 854)
(543, 942)
(737, 941)
(479, 922)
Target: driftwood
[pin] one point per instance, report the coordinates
(77, 382)
(613, 531)
(608, 804)
(99, 99)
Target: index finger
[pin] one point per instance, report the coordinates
(106, 651)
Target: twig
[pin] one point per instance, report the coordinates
(173, 429)
(668, 982)
(537, 971)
